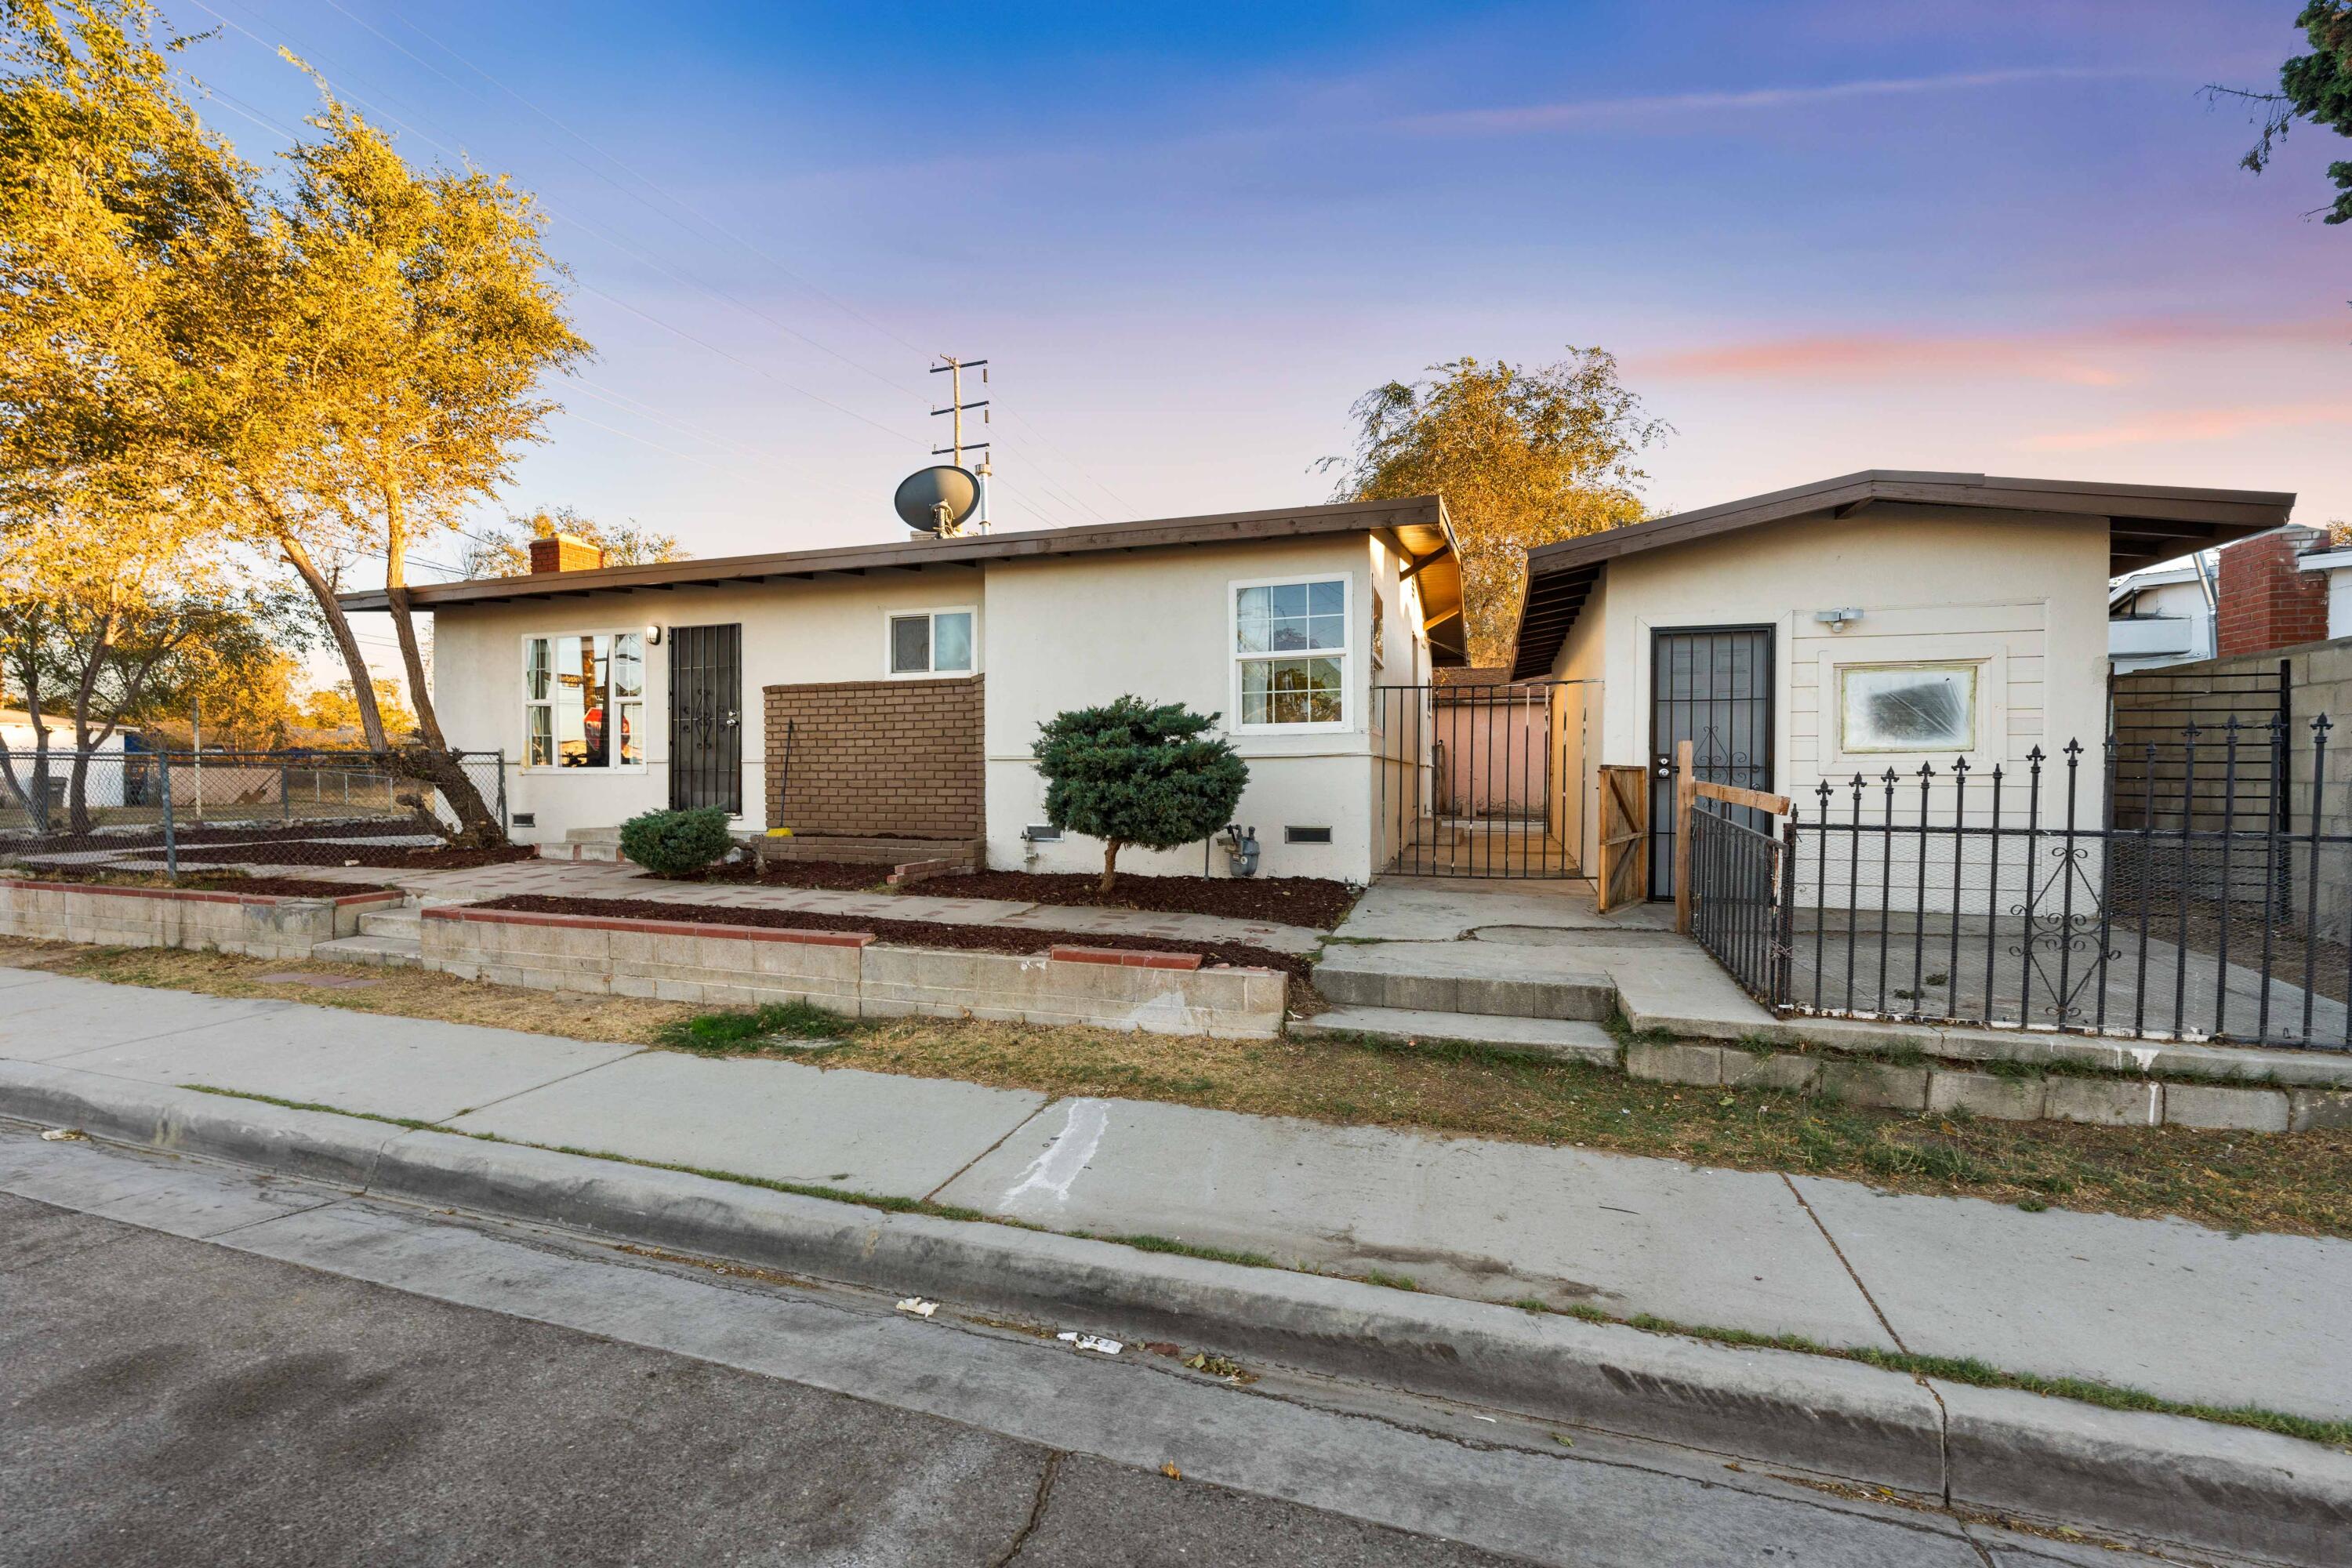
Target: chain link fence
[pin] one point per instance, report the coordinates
(171, 811)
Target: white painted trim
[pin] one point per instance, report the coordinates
(930, 641)
(1345, 654)
(644, 698)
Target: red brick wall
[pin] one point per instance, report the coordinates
(561, 552)
(890, 757)
(2263, 601)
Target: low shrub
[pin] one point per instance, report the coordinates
(674, 843)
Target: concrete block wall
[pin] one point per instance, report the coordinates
(846, 971)
(256, 926)
(877, 758)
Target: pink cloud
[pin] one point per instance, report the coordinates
(2192, 425)
(2073, 356)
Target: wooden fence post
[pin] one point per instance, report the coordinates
(1685, 791)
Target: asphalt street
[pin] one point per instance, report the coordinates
(269, 1396)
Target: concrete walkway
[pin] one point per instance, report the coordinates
(2184, 1312)
(607, 879)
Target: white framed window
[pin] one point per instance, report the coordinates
(1293, 644)
(584, 699)
(930, 642)
(1907, 707)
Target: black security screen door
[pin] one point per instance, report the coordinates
(705, 717)
(1711, 686)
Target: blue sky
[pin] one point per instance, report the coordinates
(2006, 236)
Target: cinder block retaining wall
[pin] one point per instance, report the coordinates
(850, 973)
(1946, 1088)
(259, 925)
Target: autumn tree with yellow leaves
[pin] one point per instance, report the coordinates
(322, 371)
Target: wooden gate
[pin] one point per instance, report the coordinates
(1624, 836)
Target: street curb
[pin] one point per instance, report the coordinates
(2170, 1477)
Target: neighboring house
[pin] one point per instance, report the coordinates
(104, 785)
(885, 692)
(1880, 619)
(2162, 615)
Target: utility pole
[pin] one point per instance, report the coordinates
(955, 409)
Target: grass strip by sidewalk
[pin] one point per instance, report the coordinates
(1956, 1369)
(1980, 1374)
(2298, 1183)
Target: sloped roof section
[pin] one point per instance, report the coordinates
(1416, 527)
(2146, 524)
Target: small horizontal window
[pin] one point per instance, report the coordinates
(1307, 835)
(934, 642)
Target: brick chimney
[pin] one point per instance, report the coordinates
(2263, 601)
(563, 553)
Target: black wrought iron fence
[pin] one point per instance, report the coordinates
(2198, 887)
(1738, 873)
(163, 811)
(1481, 780)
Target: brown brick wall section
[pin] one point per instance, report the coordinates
(899, 758)
(563, 553)
(2263, 601)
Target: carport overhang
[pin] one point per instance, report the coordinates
(2146, 524)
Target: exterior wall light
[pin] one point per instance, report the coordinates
(1837, 620)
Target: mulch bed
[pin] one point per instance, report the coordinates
(185, 833)
(913, 933)
(263, 887)
(1313, 901)
(375, 856)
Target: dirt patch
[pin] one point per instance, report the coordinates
(913, 933)
(1314, 901)
(394, 993)
(374, 856)
(262, 887)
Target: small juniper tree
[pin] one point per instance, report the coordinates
(1137, 772)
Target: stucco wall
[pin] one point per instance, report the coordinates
(793, 633)
(1066, 633)
(2024, 595)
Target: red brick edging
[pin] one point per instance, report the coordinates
(1125, 957)
(652, 928)
(201, 896)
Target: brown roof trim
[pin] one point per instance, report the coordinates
(2146, 523)
(1419, 523)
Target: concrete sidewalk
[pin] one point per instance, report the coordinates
(2181, 1311)
(608, 880)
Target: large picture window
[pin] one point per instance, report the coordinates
(1908, 707)
(1291, 644)
(584, 700)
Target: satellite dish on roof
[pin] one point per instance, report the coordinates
(938, 499)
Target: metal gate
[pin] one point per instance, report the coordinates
(1481, 780)
(706, 718)
(1713, 687)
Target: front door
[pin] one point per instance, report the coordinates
(706, 718)
(1711, 686)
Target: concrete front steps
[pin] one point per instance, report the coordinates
(586, 844)
(1472, 991)
(1570, 1039)
(387, 938)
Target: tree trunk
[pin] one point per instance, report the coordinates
(339, 625)
(78, 817)
(477, 827)
(1111, 848)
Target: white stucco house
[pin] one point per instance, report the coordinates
(877, 699)
(1875, 620)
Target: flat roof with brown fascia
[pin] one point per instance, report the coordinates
(1416, 529)
(2146, 524)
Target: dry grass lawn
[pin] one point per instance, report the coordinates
(2297, 1182)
